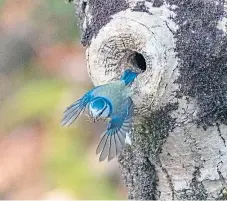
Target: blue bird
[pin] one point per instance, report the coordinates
(109, 102)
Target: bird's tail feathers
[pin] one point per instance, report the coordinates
(128, 76)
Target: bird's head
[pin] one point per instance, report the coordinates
(99, 108)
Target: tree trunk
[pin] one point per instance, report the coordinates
(179, 140)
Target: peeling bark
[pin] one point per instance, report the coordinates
(179, 140)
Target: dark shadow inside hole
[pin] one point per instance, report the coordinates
(140, 61)
(84, 5)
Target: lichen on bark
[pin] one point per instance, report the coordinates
(138, 161)
(179, 138)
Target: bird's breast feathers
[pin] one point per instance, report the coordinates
(115, 92)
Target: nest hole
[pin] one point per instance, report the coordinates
(135, 60)
(140, 61)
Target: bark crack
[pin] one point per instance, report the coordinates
(168, 177)
(145, 25)
(221, 177)
(196, 189)
(169, 28)
(220, 134)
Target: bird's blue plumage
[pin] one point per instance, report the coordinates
(113, 139)
(100, 108)
(98, 104)
(128, 76)
(112, 102)
(74, 110)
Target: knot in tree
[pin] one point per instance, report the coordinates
(179, 140)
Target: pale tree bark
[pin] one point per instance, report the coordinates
(179, 140)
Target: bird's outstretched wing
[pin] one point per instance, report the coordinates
(113, 139)
(74, 110)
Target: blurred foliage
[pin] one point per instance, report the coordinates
(36, 92)
(38, 99)
(70, 169)
(59, 12)
(2, 3)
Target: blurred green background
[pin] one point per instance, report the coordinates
(42, 71)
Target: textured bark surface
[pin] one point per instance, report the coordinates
(179, 141)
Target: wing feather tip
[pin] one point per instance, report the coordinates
(111, 158)
(65, 124)
(97, 151)
(101, 158)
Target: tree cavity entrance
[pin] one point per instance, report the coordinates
(137, 61)
(140, 61)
